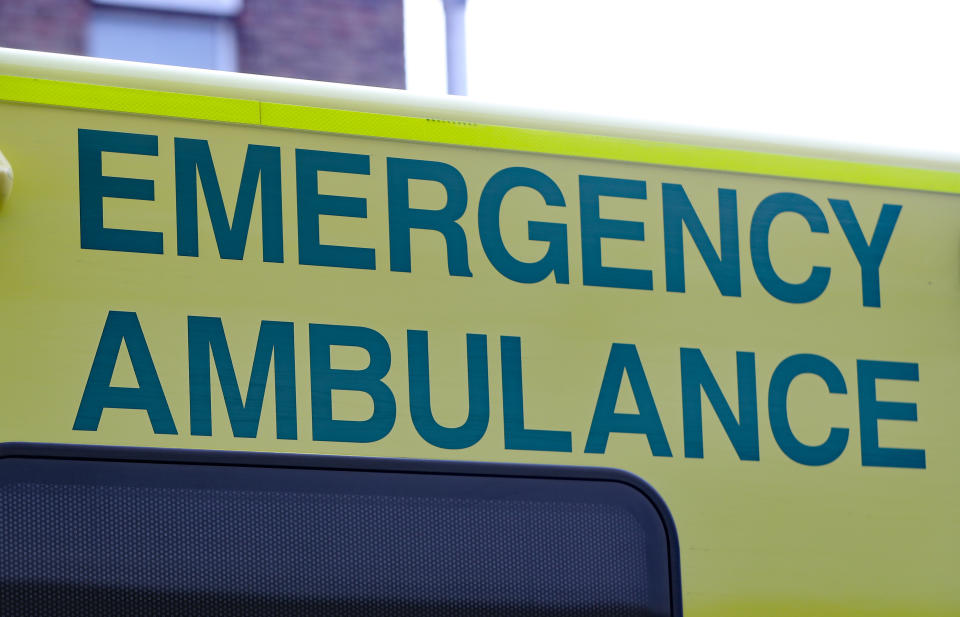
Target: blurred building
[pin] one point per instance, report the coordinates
(346, 41)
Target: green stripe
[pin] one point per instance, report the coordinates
(239, 111)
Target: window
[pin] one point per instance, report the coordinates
(92, 530)
(194, 33)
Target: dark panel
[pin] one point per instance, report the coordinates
(277, 535)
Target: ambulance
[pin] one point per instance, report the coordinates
(276, 347)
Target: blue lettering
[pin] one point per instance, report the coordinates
(783, 376)
(205, 336)
(478, 394)
(868, 255)
(695, 376)
(593, 229)
(324, 379)
(94, 186)
(624, 360)
(515, 435)
(678, 213)
(872, 410)
(310, 205)
(554, 234)
(262, 165)
(403, 218)
(769, 209)
(121, 328)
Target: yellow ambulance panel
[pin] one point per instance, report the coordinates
(769, 336)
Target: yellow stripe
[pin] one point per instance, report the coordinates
(200, 107)
(128, 100)
(602, 147)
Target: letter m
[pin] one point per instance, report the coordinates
(260, 166)
(205, 336)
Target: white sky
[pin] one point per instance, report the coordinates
(866, 72)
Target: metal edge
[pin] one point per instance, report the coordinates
(179, 105)
(455, 109)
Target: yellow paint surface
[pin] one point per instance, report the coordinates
(767, 537)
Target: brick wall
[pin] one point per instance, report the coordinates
(346, 41)
(44, 25)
